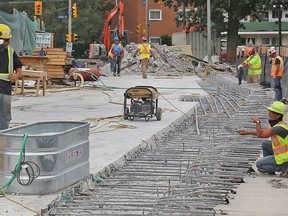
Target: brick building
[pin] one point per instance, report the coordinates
(161, 19)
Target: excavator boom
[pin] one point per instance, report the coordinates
(119, 8)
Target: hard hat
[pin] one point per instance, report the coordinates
(249, 51)
(271, 50)
(144, 38)
(116, 39)
(5, 32)
(278, 107)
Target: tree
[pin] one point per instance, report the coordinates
(89, 24)
(225, 15)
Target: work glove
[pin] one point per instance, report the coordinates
(240, 66)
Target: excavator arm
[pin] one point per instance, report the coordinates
(118, 8)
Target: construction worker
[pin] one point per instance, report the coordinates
(10, 71)
(253, 62)
(116, 54)
(277, 71)
(145, 52)
(275, 152)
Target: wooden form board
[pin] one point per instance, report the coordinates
(56, 62)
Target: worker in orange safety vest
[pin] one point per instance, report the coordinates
(277, 71)
(145, 52)
(116, 53)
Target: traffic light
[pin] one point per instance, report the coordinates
(75, 37)
(140, 29)
(69, 38)
(74, 10)
(38, 8)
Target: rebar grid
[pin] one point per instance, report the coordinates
(188, 172)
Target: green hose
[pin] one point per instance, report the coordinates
(19, 162)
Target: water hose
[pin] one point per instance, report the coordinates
(19, 162)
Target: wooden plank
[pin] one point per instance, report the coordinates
(56, 63)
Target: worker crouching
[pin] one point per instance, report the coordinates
(275, 152)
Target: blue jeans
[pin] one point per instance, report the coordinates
(116, 65)
(5, 111)
(268, 163)
(278, 89)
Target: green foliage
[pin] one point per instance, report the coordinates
(166, 39)
(89, 24)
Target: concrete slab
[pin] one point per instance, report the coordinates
(108, 142)
(257, 196)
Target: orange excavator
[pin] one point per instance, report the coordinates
(119, 8)
(98, 50)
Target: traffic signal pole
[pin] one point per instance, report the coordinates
(147, 20)
(69, 20)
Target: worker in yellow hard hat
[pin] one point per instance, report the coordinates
(10, 71)
(275, 152)
(145, 52)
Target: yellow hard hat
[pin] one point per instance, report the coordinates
(5, 31)
(278, 107)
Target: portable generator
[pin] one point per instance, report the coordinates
(143, 103)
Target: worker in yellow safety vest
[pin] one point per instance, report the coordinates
(10, 71)
(145, 52)
(277, 71)
(275, 152)
(253, 62)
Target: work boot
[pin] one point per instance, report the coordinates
(118, 74)
(284, 173)
(114, 74)
(268, 172)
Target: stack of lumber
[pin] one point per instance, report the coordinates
(56, 62)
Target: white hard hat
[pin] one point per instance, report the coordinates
(271, 50)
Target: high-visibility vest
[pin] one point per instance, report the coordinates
(280, 146)
(4, 75)
(144, 50)
(281, 67)
(112, 51)
(255, 66)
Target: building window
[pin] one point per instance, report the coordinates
(242, 42)
(251, 41)
(155, 40)
(266, 16)
(265, 41)
(275, 41)
(155, 14)
(144, 2)
(275, 14)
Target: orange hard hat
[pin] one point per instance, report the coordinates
(249, 51)
(144, 38)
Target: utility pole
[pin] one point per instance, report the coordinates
(147, 20)
(209, 31)
(70, 17)
(279, 25)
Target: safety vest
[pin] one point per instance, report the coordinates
(281, 67)
(255, 66)
(4, 75)
(144, 50)
(280, 146)
(112, 51)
